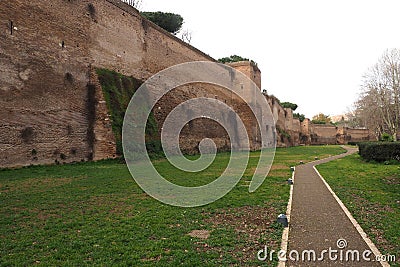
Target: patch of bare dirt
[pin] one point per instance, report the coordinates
(253, 226)
(279, 167)
(153, 259)
(392, 180)
(202, 234)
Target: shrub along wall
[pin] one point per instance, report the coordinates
(118, 91)
(380, 151)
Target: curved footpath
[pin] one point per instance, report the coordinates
(318, 220)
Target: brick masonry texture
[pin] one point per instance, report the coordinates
(52, 106)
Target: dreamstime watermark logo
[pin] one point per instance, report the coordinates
(340, 253)
(216, 75)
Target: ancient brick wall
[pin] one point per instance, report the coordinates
(279, 117)
(288, 128)
(305, 132)
(357, 135)
(322, 134)
(318, 134)
(125, 42)
(53, 109)
(346, 134)
(195, 130)
(44, 114)
(295, 132)
(250, 69)
(52, 106)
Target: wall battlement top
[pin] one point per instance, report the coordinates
(245, 63)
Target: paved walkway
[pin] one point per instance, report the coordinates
(317, 221)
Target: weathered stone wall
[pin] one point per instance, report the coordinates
(52, 106)
(318, 134)
(201, 128)
(288, 128)
(53, 109)
(346, 134)
(125, 42)
(249, 69)
(279, 116)
(322, 134)
(44, 113)
(305, 131)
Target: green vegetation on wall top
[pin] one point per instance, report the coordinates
(290, 105)
(321, 118)
(168, 21)
(235, 58)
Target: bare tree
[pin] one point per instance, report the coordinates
(379, 103)
(366, 115)
(354, 120)
(186, 36)
(135, 3)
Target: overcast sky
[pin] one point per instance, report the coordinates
(310, 52)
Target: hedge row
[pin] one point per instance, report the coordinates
(379, 151)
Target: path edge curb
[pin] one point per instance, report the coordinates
(285, 233)
(359, 229)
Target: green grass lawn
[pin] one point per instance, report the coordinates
(95, 214)
(371, 192)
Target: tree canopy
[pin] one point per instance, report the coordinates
(292, 106)
(321, 118)
(234, 58)
(299, 116)
(168, 21)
